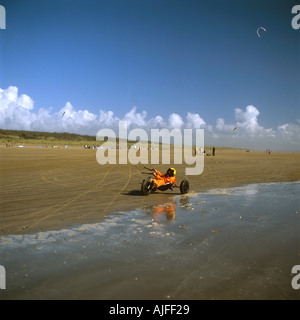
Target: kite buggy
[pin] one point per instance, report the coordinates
(162, 182)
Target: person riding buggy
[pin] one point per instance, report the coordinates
(161, 179)
(163, 182)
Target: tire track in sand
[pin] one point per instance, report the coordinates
(117, 195)
(68, 202)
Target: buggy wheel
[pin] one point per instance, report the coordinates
(184, 187)
(146, 187)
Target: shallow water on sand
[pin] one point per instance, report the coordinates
(238, 243)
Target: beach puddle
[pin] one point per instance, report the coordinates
(238, 243)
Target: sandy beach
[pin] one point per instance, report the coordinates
(46, 188)
(71, 228)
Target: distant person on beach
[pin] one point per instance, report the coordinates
(213, 151)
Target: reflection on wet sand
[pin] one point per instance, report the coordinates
(166, 211)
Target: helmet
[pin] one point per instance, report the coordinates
(171, 172)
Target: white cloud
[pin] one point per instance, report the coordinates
(245, 132)
(135, 119)
(107, 118)
(194, 121)
(289, 130)
(175, 121)
(17, 112)
(25, 102)
(14, 110)
(248, 119)
(223, 127)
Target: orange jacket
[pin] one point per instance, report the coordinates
(161, 179)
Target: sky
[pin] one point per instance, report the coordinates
(83, 65)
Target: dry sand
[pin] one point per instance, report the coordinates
(44, 189)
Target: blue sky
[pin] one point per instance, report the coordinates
(159, 57)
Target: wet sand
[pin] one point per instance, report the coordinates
(237, 243)
(50, 189)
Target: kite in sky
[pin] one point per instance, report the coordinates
(258, 29)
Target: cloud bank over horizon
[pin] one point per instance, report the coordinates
(17, 113)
